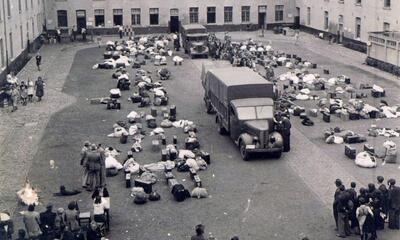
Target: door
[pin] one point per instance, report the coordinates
(174, 20)
(234, 126)
(262, 17)
(80, 20)
(297, 19)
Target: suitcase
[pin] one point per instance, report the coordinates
(164, 155)
(197, 181)
(303, 115)
(147, 186)
(354, 115)
(326, 117)
(314, 65)
(375, 93)
(172, 110)
(206, 157)
(350, 152)
(123, 139)
(370, 149)
(154, 112)
(313, 112)
(136, 98)
(326, 71)
(127, 179)
(374, 114)
(352, 139)
(347, 80)
(297, 111)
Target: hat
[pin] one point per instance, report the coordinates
(86, 143)
(49, 205)
(60, 210)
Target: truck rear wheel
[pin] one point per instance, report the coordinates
(243, 152)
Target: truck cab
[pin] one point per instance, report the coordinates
(194, 40)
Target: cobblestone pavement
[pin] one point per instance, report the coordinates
(295, 191)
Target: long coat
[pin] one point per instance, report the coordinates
(39, 88)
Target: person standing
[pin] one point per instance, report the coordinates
(47, 221)
(85, 169)
(59, 222)
(58, 35)
(338, 183)
(106, 199)
(103, 166)
(32, 223)
(38, 60)
(296, 37)
(71, 217)
(365, 220)
(6, 226)
(39, 86)
(23, 93)
(31, 89)
(121, 31)
(343, 213)
(384, 194)
(394, 205)
(199, 233)
(83, 32)
(283, 126)
(94, 167)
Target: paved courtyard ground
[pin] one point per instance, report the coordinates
(287, 198)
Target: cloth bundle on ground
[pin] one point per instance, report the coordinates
(148, 177)
(366, 160)
(177, 59)
(374, 132)
(131, 166)
(154, 196)
(28, 195)
(199, 192)
(166, 123)
(112, 162)
(115, 93)
(140, 197)
(137, 146)
(157, 131)
(390, 151)
(182, 123)
(111, 151)
(183, 153)
(164, 74)
(159, 166)
(118, 131)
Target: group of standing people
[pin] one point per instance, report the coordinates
(93, 163)
(22, 92)
(365, 212)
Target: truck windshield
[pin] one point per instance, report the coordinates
(253, 113)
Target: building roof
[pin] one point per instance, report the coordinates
(233, 76)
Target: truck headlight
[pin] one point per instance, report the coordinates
(255, 140)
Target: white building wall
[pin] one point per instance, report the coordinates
(371, 12)
(28, 16)
(164, 10)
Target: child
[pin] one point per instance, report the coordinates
(23, 93)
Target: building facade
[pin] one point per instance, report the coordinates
(349, 19)
(21, 22)
(166, 15)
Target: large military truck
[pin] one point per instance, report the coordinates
(194, 40)
(244, 107)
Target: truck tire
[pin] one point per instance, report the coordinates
(243, 152)
(277, 154)
(221, 130)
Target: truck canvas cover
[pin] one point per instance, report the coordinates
(237, 83)
(207, 66)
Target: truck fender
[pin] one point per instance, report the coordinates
(245, 138)
(277, 138)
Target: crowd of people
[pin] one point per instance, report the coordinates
(366, 212)
(23, 92)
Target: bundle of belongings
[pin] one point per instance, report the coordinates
(28, 195)
(177, 60)
(164, 73)
(390, 151)
(366, 160)
(386, 132)
(179, 192)
(338, 136)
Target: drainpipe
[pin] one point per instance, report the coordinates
(5, 33)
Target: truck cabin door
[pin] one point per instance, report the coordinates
(234, 127)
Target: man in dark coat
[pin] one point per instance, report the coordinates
(384, 194)
(47, 221)
(338, 183)
(394, 205)
(283, 126)
(94, 166)
(38, 60)
(39, 85)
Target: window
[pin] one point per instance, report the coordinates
(358, 27)
(99, 17)
(386, 26)
(211, 15)
(154, 16)
(62, 18)
(8, 8)
(22, 36)
(194, 15)
(279, 12)
(117, 17)
(135, 16)
(386, 4)
(245, 13)
(341, 23)
(228, 12)
(1, 53)
(19, 6)
(326, 20)
(308, 16)
(11, 46)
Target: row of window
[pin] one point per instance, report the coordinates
(386, 3)
(99, 15)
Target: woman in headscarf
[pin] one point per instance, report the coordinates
(39, 86)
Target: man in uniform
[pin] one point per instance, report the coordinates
(283, 125)
(338, 183)
(93, 163)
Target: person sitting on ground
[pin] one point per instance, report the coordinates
(65, 192)
(199, 233)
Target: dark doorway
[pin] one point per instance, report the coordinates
(80, 19)
(261, 20)
(297, 19)
(174, 24)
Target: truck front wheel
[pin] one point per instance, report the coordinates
(243, 152)
(277, 154)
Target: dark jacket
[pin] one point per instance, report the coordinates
(394, 197)
(47, 219)
(93, 160)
